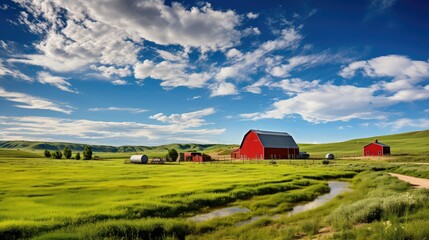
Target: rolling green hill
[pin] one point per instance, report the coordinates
(76, 147)
(406, 143)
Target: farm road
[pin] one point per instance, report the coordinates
(418, 182)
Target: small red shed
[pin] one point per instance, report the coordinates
(194, 157)
(258, 144)
(376, 148)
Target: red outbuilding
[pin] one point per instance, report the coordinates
(194, 157)
(376, 149)
(258, 144)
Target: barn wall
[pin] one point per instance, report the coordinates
(373, 150)
(281, 153)
(252, 147)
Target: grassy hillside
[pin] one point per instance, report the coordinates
(76, 147)
(409, 143)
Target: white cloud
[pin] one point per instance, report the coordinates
(256, 87)
(102, 132)
(421, 123)
(233, 53)
(31, 102)
(223, 89)
(172, 74)
(250, 61)
(58, 82)
(190, 119)
(296, 85)
(119, 82)
(316, 102)
(197, 27)
(251, 31)
(112, 71)
(395, 66)
(125, 109)
(299, 62)
(181, 56)
(327, 103)
(252, 15)
(194, 97)
(14, 73)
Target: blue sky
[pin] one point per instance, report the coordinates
(149, 72)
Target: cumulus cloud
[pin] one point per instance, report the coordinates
(252, 15)
(112, 71)
(171, 74)
(125, 109)
(102, 132)
(223, 89)
(256, 87)
(58, 82)
(30, 102)
(248, 62)
(295, 85)
(82, 32)
(119, 82)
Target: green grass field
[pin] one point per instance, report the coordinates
(44, 198)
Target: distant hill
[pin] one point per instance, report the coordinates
(53, 146)
(410, 142)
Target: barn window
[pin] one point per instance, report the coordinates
(367, 153)
(379, 153)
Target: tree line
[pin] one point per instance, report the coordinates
(67, 153)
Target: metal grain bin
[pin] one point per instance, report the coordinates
(141, 159)
(330, 156)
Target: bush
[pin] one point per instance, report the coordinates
(87, 153)
(325, 162)
(172, 155)
(77, 157)
(67, 152)
(57, 155)
(47, 154)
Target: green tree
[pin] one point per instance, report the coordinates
(87, 153)
(57, 155)
(67, 152)
(77, 157)
(47, 153)
(172, 154)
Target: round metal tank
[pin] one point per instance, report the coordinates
(141, 159)
(330, 156)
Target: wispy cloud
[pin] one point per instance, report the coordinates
(378, 7)
(58, 82)
(125, 109)
(172, 128)
(421, 123)
(31, 102)
(12, 72)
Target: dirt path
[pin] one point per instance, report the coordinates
(417, 182)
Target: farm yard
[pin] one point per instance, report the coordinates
(68, 199)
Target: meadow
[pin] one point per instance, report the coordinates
(43, 198)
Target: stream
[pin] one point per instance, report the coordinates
(336, 188)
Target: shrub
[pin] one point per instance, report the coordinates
(77, 157)
(172, 155)
(47, 154)
(57, 155)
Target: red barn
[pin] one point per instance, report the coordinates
(376, 149)
(194, 157)
(258, 144)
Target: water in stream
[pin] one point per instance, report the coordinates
(335, 189)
